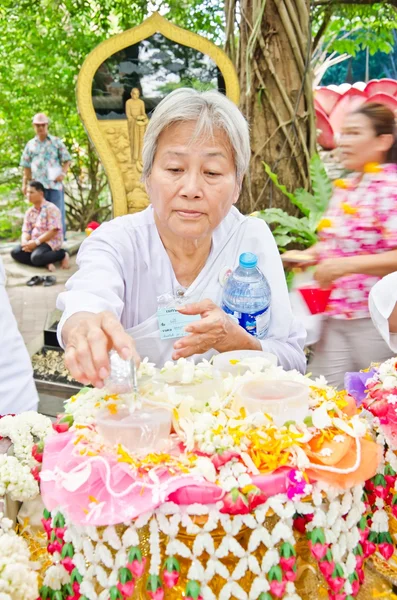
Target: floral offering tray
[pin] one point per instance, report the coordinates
(200, 487)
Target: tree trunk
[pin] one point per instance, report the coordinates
(273, 62)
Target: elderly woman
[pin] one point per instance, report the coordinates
(196, 151)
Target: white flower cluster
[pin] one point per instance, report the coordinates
(339, 518)
(16, 479)
(234, 475)
(184, 371)
(146, 369)
(17, 577)
(24, 431)
(85, 405)
(386, 373)
(56, 576)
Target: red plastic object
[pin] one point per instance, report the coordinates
(316, 298)
(93, 225)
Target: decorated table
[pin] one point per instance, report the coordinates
(246, 482)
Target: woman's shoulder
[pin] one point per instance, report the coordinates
(256, 226)
(250, 222)
(125, 232)
(128, 224)
(247, 229)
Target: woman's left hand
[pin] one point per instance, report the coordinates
(215, 330)
(330, 269)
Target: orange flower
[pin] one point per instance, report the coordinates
(373, 167)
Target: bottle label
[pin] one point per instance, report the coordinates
(257, 324)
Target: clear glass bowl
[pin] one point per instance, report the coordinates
(147, 429)
(282, 400)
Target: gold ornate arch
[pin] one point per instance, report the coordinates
(110, 136)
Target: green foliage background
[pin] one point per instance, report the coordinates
(43, 45)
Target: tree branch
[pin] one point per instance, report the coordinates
(322, 28)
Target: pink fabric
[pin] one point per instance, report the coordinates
(37, 222)
(92, 490)
(372, 229)
(81, 485)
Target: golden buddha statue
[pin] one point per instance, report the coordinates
(137, 122)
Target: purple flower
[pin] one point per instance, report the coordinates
(355, 384)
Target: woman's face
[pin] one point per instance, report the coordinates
(192, 186)
(359, 144)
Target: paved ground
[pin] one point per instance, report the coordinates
(31, 305)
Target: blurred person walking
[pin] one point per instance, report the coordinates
(357, 244)
(47, 160)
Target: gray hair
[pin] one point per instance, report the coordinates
(210, 109)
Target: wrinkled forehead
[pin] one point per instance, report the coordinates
(187, 137)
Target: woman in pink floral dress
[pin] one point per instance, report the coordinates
(357, 243)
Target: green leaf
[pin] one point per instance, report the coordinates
(45, 592)
(115, 594)
(304, 201)
(278, 185)
(153, 583)
(125, 575)
(193, 589)
(67, 550)
(321, 185)
(135, 554)
(275, 573)
(282, 240)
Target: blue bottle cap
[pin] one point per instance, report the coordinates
(248, 260)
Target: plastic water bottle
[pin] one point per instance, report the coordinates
(247, 296)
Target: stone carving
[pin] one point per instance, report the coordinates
(117, 134)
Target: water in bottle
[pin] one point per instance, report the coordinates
(247, 296)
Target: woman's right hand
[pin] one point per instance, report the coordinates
(88, 338)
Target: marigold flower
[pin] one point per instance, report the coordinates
(347, 209)
(372, 167)
(324, 224)
(341, 183)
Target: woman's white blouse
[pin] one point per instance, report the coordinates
(124, 268)
(382, 300)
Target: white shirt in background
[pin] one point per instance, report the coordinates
(17, 389)
(382, 300)
(124, 268)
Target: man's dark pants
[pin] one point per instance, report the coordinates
(40, 257)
